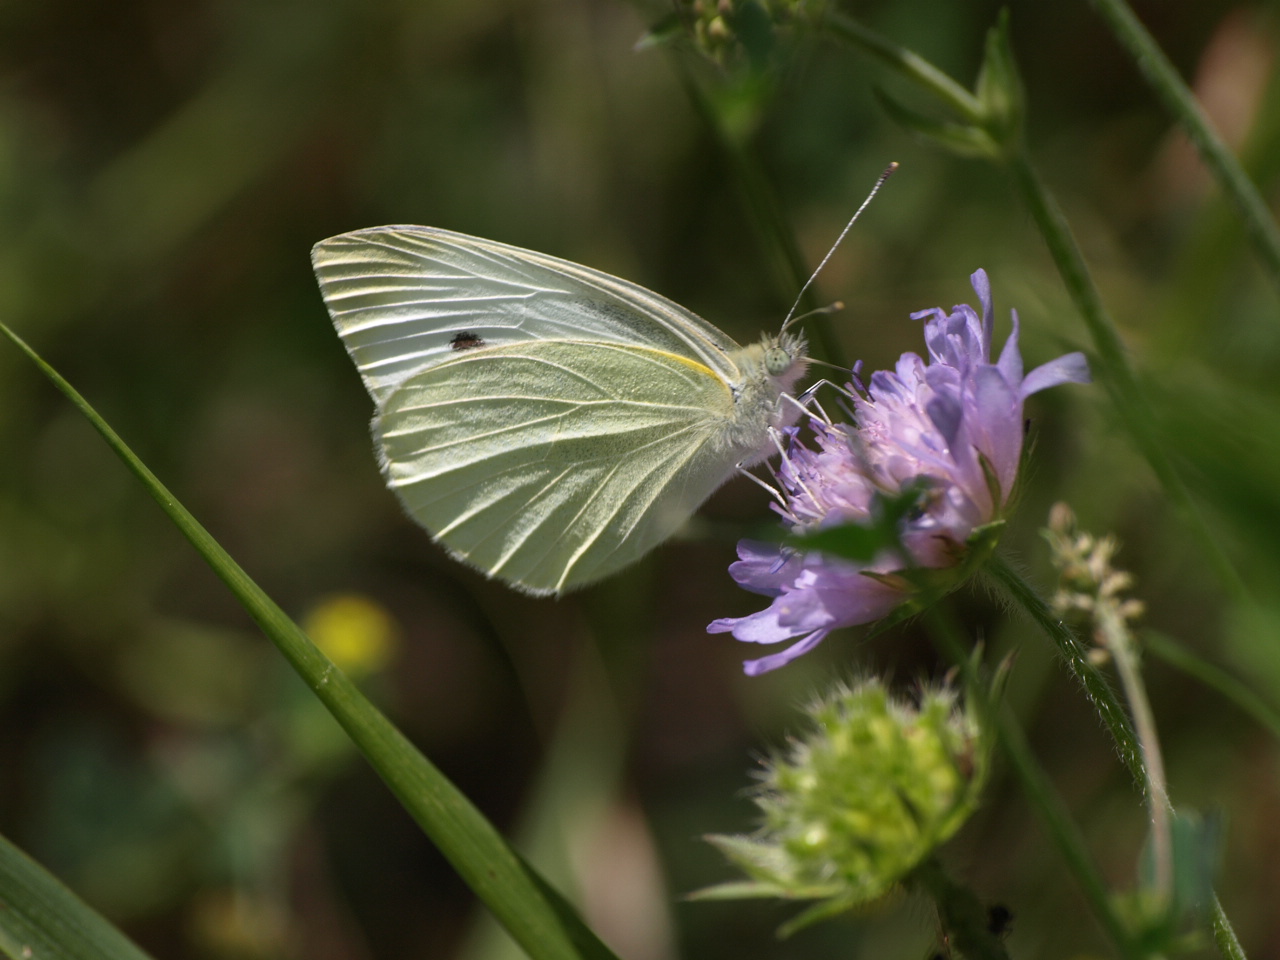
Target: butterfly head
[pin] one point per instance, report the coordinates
(783, 358)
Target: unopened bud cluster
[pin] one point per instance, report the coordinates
(862, 798)
(718, 23)
(1088, 585)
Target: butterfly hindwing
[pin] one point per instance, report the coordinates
(552, 463)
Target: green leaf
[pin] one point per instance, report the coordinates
(862, 542)
(1170, 921)
(819, 911)
(963, 139)
(905, 63)
(1197, 856)
(765, 863)
(666, 31)
(740, 890)
(39, 917)
(535, 915)
(999, 88)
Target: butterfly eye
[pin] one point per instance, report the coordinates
(777, 360)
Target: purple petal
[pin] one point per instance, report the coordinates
(860, 600)
(801, 608)
(1010, 362)
(763, 567)
(996, 425)
(1071, 368)
(933, 313)
(982, 287)
(759, 627)
(946, 412)
(936, 336)
(753, 668)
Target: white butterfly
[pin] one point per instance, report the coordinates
(546, 422)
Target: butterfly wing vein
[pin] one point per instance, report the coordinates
(554, 463)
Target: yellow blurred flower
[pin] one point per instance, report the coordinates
(354, 631)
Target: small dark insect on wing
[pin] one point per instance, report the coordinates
(466, 341)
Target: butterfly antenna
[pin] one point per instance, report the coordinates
(824, 363)
(791, 318)
(834, 307)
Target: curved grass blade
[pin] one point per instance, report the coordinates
(535, 915)
(1164, 80)
(1214, 677)
(39, 917)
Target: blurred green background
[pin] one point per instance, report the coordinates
(164, 171)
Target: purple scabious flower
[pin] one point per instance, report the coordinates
(953, 424)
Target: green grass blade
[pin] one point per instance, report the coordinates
(1181, 102)
(39, 917)
(537, 918)
(1214, 677)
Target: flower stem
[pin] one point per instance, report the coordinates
(1111, 353)
(1180, 102)
(1113, 633)
(1117, 374)
(904, 61)
(1224, 935)
(1035, 782)
(962, 914)
(1096, 687)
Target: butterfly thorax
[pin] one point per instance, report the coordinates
(769, 369)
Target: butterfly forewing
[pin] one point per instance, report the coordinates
(406, 298)
(551, 463)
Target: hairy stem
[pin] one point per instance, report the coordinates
(962, 914)
(1023, 596)
(1041, 795)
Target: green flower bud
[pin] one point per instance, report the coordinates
(729, 31)
(859, 801)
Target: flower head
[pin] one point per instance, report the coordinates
(1089, 584)
(861, 798)
(951, 426)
